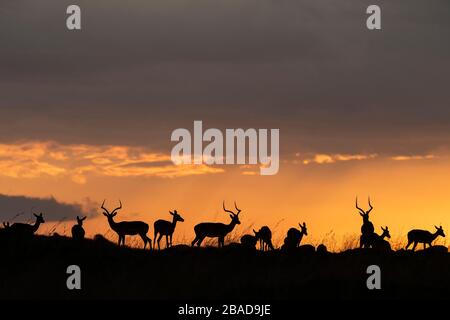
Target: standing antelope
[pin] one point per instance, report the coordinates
(125, 228)
(294, 236)
(422, 236)
(265, 238)
(376, 241)
(216, 230)
(77, 230)
(166, 228)
(367, 227)
(25, 228)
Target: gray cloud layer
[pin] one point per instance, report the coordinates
(140, 69)
(18, 209)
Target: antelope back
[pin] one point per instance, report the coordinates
(249, 240)
(265, 233)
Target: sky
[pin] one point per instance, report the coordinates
(87, 115)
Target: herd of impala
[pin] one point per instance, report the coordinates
(368, 238)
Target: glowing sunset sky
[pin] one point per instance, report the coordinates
(87, 116)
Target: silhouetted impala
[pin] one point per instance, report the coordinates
(376, 241)
(422, 236)
(166, 228)
(125, 228)
(367, 227)
(249, 241)
(265, 238)
(380, 243)
(77, 230)
(25, 228)
(294, 237)
(216, 230)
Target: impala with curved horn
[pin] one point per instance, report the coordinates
(215, 229)
(367, 227)
(126, 228)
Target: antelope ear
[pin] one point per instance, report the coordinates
(436, 227)
(35, 215)
(171, 213)
(40, 215)
(104, 213)
(304, 224)
(84, 218)
(114, 214)
(254, 231)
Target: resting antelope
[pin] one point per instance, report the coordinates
(294, 236)
(25, 228)
(125, 228)
(422, 236)
(376, 241)
(166, 228)
(367, 227)
(249, 240)
(216, 230)
(264, 236)
(77, 230)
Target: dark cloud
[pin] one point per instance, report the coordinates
(19, 208)
(140, 69)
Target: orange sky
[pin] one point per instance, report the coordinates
(88, 115)
(406, 192)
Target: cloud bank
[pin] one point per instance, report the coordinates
(38, 159)
(20, 208)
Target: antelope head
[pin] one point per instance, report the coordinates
(80, 221)
(440, 231)
(385, 233)
(112, 214)
(362, 213)
(303, 228)
(176, 216)
(234, 216)
(39, 218)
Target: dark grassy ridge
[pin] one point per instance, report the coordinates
(36, 269)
